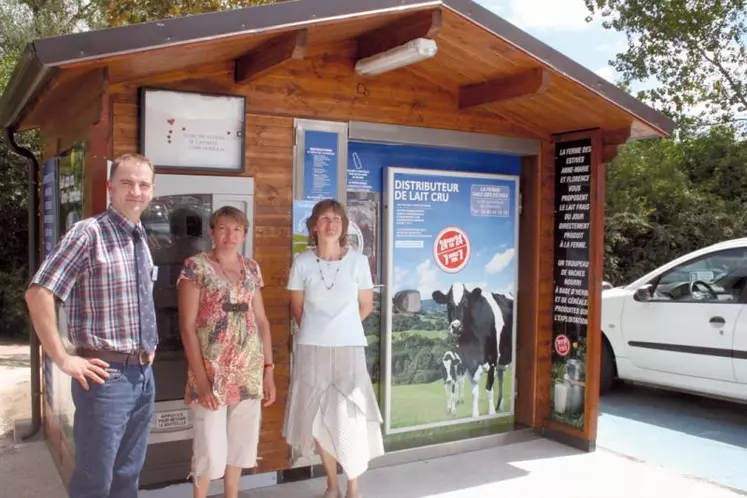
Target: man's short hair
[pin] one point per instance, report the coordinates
(134, 157)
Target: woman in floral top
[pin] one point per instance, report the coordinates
(226, 337)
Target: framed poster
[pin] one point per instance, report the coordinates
(451, 271)
(319, 160)
(188, 130)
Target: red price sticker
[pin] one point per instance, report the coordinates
(451, 249)
(562, 345)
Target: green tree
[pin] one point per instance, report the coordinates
(666, 198)
(694, 50)
(119, 12)
(22, 21)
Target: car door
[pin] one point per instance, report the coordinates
(686, 325)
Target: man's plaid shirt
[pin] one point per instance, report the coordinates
(92, 271)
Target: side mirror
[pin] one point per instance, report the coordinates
(643, 293)
(407, 301)
(606, 285)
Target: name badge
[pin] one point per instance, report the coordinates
(154, 273)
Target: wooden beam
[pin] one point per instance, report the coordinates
(611, 140)
(70, 92)
(516, 86)
(421, 25)
(271, 54)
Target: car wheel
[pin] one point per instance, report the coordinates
(607, 376)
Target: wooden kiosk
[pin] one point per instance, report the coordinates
(444, 74)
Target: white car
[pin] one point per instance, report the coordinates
(683, 326)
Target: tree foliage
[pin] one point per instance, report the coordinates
(666, 198)
(694, 50)
(121, 12)
(22, 21)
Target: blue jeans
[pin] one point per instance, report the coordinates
(111, 428)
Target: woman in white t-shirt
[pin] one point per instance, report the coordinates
(331, 405)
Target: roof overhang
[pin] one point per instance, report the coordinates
(43, 56)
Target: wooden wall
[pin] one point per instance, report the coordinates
(320, 87)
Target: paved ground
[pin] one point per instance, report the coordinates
(14, 389)
(647, 425)
(688, 434)
(26, 470)
(523, 470)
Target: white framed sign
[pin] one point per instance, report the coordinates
(189, 130)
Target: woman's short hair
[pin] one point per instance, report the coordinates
(230, 213)
(320, 208)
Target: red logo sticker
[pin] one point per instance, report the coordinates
(452, 249)
(562, 345)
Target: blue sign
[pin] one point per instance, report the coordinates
(49, 224)
(320, 165)
(49, 205)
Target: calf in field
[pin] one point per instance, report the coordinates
(452, 373)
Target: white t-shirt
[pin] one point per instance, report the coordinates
(330, 298)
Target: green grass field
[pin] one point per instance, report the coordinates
(419, 404)
(431, 334)
(300, 243)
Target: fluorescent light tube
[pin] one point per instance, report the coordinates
(411, 52)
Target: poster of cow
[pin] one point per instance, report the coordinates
(451, 270)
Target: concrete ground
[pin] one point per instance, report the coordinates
(656, 426)
(523, 470)
(27, 471)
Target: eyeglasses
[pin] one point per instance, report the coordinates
(235, 307)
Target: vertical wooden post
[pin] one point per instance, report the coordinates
(528, 292)
(98, 151)
(543, 346)
(585, 436)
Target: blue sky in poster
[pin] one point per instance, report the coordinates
(492, 264)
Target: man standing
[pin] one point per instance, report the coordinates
(103, 272)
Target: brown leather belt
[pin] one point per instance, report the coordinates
(136, 358)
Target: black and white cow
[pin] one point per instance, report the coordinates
(452, 373)
(482, 325)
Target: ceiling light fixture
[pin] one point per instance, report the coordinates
(411, 52)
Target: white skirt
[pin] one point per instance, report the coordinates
(331, 399)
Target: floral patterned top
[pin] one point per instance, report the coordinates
(229, 340)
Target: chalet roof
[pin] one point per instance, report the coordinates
(498, 41)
